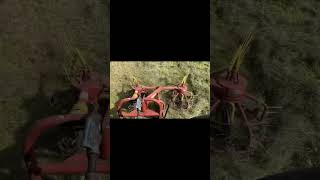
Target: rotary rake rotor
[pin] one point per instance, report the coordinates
(182, 100)
(231, 98)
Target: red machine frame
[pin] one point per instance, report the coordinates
(153, 97)
(77, 163)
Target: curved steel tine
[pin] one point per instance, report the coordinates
(182, 100)
(244, 116)
(174, 98)
(274, 107)
(232, 111)
(272, 112)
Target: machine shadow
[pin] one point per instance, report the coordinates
(38, 107)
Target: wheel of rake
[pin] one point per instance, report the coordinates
(188, 100)
(69, 141)
(182, 100)
(221, 125)
(130, 107)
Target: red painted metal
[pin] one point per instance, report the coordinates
(229, 94)
(105, 144)
(45, 124)
(77, 163)
(231, 88)
(152, 98)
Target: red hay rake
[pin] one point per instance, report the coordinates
(89, 82)
(229, 89)
(181, 98)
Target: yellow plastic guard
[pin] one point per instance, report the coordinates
(79, 108)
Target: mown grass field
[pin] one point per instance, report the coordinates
(162, 73)
(283, 67)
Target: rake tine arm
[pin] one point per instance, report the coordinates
(149, 87)
(244, 116)
(162, 88)
(174, 98)
(275, 107)
(232, 111)
(254, 99)
(219, 71)
(272, 112)
(121, 103)
(265, 107)
(66, 72)
(215, 105)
